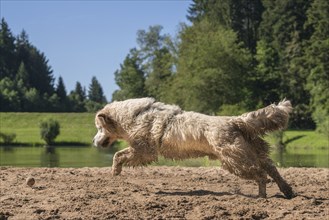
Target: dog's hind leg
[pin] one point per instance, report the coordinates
(284, 187)
(262, 186)
(242, 162)
(120, 158)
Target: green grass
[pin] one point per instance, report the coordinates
(306, 139)
(302, 139)
(79, 128)
(75, 128)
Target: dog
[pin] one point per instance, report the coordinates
(153, 128)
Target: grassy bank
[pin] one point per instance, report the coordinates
(75, 128)
(79, 129)
(302, 139)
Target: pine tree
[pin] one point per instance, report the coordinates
(279, 57)
(36, 64)
(63, 104)
(8, 61)
(317, 60)
(80, 91)
(96, 98)
(95, 92)
(22, 75)
(243, 17)
(60, 89)
(77, 98)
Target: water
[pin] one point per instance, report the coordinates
(55, 157)
(94, 157)
(302, 158)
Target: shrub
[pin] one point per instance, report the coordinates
(49, 130)
(7, 138)
(321, 118)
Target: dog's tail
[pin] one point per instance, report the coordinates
(271, 118)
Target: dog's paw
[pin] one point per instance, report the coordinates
(116, 171)
(288, 192)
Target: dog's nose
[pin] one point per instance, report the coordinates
(93, 140)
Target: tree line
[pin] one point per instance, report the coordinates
(237, 56)
(233, 57)
(27, 82)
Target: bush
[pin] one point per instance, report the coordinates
(7, 138)
(92, 106)
(321, 118)
(49, 130)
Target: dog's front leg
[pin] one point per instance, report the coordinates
(262, 188)
(119, 159)
(283, 185)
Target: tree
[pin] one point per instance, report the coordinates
(266, 79)
(9, 96)
(80, 91)
(243, 17)
(60, 89)
(36, 64)
(33, 102)
(49, 130)
(22, 76)
(77, 98)
(279, 56)
(24, 72)
(96, 98)
(130, 78)
(150, 41)
(95, 92)
(7, 52)
(157, 60)
(211, 68)
(316, 58)
(158, 81)
(62, 96)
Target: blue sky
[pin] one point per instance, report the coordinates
(82, 39)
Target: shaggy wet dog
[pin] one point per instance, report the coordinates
(153, 128)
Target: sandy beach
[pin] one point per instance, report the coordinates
(158, 193)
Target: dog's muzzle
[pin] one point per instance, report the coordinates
(106, 143)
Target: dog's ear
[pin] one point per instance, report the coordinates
(107, 121)
(103, 118)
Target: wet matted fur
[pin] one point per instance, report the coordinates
(153, 128)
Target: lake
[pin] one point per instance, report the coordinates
(94, 157)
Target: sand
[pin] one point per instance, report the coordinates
(158, 193)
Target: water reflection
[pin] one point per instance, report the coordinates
(49, 157)
(94, 157)
(301, 158)
(8, 148)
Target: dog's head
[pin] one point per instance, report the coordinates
(107, 130)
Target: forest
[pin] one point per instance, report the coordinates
(233, 57)
(27, 83)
